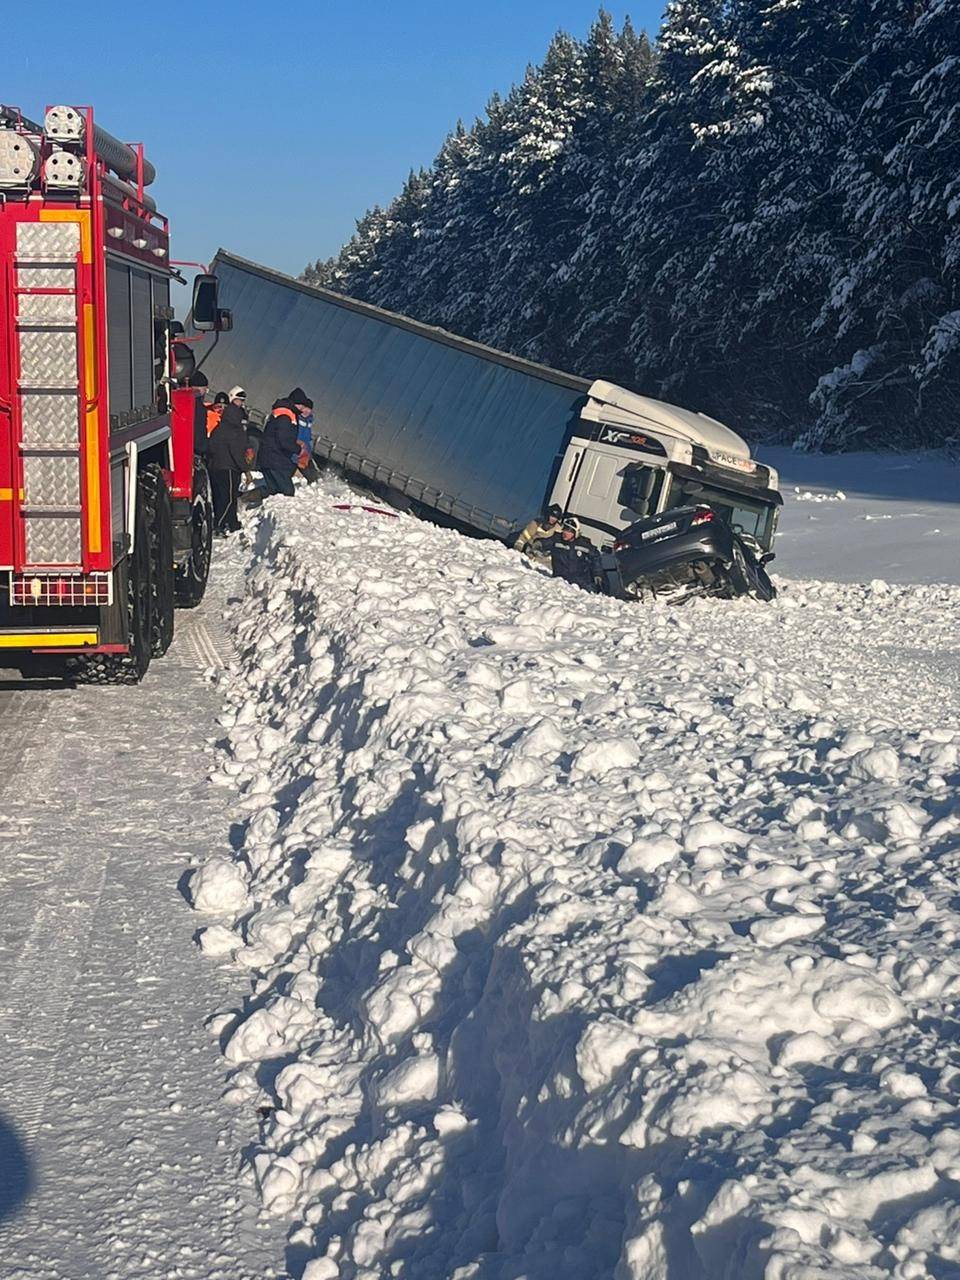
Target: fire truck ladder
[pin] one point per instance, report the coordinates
(48, 358)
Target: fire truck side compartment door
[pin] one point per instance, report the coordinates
(46, 335)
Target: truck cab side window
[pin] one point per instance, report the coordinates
(640, 489)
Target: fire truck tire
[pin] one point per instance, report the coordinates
(160, 521)
(130, 668)
(190, 581)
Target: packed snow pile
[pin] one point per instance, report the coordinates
(586, 940)
(814, 495)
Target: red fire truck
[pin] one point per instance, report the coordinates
(105, 513)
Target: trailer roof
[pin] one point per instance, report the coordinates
(435, 334)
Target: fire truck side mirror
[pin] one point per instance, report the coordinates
(176, 329)
(204, 308)
(224, 320)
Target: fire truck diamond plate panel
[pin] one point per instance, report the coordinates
(46, 278)
(49, 419)
(53, 540)
(52, 482)
(47, 241)
(48, 358)
(57, 307)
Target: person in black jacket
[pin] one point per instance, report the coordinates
(227, 448)
(572, 557)
(279, 447)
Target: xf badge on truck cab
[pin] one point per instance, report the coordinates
(632, 440)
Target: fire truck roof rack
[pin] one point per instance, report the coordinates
(66, 126)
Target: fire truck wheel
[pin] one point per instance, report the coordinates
(140, 592)
(190, 582)
(129, 668)
(160, 520)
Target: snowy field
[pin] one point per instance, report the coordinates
(589, 941)
(858, 516)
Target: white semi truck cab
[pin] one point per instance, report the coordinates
(632, 457)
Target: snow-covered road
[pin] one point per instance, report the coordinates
(552, 937)
(118, 1157)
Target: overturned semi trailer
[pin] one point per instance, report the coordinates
(475, 435)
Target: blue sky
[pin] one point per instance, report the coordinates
(274, 126)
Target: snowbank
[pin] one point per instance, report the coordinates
(586, 941)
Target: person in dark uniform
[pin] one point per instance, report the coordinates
(227, 458)
(279, 448)
(572, 557)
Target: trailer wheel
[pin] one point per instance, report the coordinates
(160, 520)
(130, 668)
(190, 581)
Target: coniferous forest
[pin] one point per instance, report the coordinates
(757, 215)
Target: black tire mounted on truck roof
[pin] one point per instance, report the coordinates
(190, 581)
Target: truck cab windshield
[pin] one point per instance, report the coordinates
(744, 514)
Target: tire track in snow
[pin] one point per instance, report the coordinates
(15, 730)
(40, 988)
(200, 645)
(39, 996)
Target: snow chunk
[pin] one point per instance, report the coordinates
(706, 833)
(808, 1046)
(879, 764)
(603, 1049)
(902, 1084)
(219, 887)
(772, 933)
(647, 854)
(270, 1032)
(415, 1080)
(599, 758)
(218, 940)
(861, 999)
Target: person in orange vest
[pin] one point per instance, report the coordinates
(215, 411)
(278, 449)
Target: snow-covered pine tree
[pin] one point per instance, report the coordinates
(760, 288)
(538, 122)
(892, 311)
(669, 208)
(588, 330)
(758, 218)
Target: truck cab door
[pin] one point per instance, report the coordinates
(567, 478)
(611, 490)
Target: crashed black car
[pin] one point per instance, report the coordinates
(685, 552)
